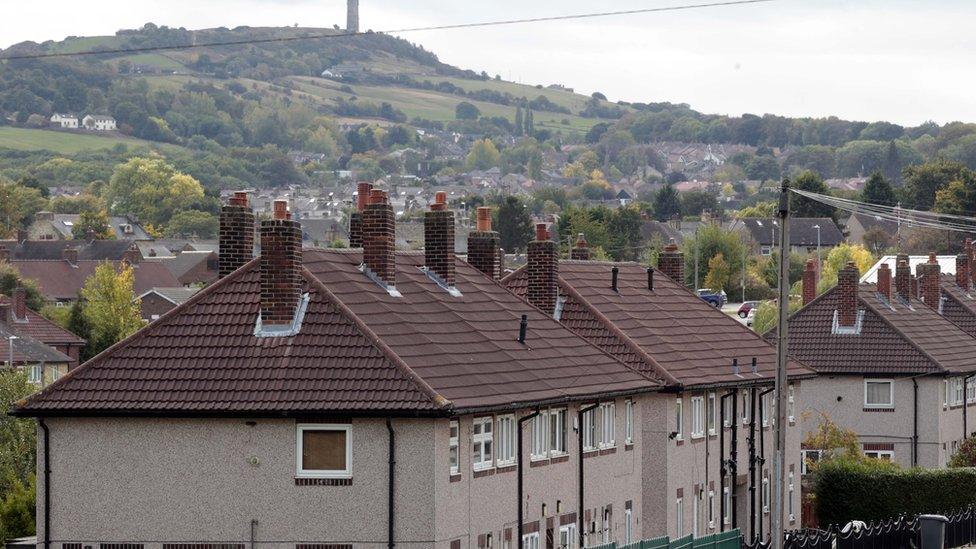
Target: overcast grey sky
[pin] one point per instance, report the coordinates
(899, 60)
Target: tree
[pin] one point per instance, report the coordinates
(152, 190)
(17, 435)
(193, 223)
(10, 279)
(513, 223)
(518, 120)
(695, 202)
(838, 258)
(18, 204)
(466, 111)
(965, 456)
(483, 155)
(529, 122)
(111, 309)
(17, 509)
(95, 222)
(625, 237)
(877, 240)
(802, 206)
(761, 209)
(719, 273)
(878, 191)
(923, 181)
(832, 440)
(666, 203)
(709, 242)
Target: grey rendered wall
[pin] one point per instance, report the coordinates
(153, 480)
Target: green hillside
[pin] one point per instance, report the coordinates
(27, 139)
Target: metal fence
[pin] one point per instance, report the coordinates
(725, 540)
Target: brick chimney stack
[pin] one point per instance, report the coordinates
(543, 270)
(903, 277)
(809, 281)
(962, 271)
(281, 264)
(484, 252)
(439, 239)
(70, 254)
(236, 234)
(379, 237)
(968, 250)
(356, 219)
(671, 262)
(847, 280)
(931, 291)
(884, 281)
(132, 255)
(581, 250)
(19, 309)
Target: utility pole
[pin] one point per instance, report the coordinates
(779, 465)
(697, 244)
(743, 273)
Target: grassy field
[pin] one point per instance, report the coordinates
(25, 139)
(159, 60)
(86, 43)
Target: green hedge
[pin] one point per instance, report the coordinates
(846, 491)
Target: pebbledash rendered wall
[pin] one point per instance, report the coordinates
(842, 399)
(204, 480)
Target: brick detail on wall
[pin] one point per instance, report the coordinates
(356, 230)
(203, 546)
(379, 237)
(236, 234)
(483, 252)
(847, 280)
(281, 263)
(671, 262)
(542, 269)
(19, 306)
(962, 271)
(884, 281)
(439, 244)
(323, 546)
(931, 290)
(903, 278)
(323, 481)
(879, 446)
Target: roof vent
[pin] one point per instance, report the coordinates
(523, 326)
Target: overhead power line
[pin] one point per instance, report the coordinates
(897, 214)
(391, 31)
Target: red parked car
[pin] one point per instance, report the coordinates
(746, 307)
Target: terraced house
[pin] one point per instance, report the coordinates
(365, 397)
(895, 362)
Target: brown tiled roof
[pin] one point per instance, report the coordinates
(959, 306)
(359, 350)
(43, 329)
(27, 349)
(669, 333)
(895, 338)
(60, 280)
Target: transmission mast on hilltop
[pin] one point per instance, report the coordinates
(352, 15)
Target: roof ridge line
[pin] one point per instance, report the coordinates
(438, 399)
(904, 335)
(141, 331)
(616, 331)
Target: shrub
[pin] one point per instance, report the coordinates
(966, 455)
(870, 490)
(17, 511)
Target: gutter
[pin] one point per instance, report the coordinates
(47, 483)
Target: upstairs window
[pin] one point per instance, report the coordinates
(454, 451)
(608, 415)
(540, 436)
(482, 443)
(791, 405)
(324, 450)
(589, 430)
(557, 432)
(506, 440)
(629, 421)
(697, 417)
(679, 417)
(710, 412)
(878, 393)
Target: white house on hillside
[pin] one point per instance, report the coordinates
(64, 120)
(98, 122)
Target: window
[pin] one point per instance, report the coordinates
(679, 418)
(628, 525)
(679, 513)
(727, 412)
(324, 450)
(697, 417)
(745, 407)
(957, 391)
(454, 448)
(710, 413)
(695, 504)
(481, 443)
(970, 391)
(589, 430)
(608, 414)
(789, 496)
(606, 525)
(727, 496)
(807, 457)
(506, 440)
(765, 495)
(711, 508)
(791, 405)
(540, 436)
(530, 541)
(766, 250)
(35, 374)
(568, 537)
(764, 409)
(557, 432)
(878, 393)
(884, 455)
(945, 393)
(629, 421)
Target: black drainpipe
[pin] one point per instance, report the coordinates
(723, 469)
(915, 422)
(762, 448)
(47, 483)
(518, 461)
(752, 462)
(579, 496)
(390, 492)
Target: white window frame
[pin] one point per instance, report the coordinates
(568, 532)
(679, 516)
(745, 407)
(880, 454)
(540, 436)
(970, 391)
(790, 498)
(727, 424)
(765, 495)
(628, 526)
(804, 463)
(791, 404)
(697, 417)
(764, 409)
(504, 447)
(317, 473)
(454, 446)
(606, 526)
(891, 393)
(35, 374)
(958, 395)
(557, 435)
(945, 393)
(629, 421)
(727, 496)
(608, 427)
(679, 417)
(711, 509)
(531, 541)
(695, 510)
(589, 430)
(711, 412)
(478, 441)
